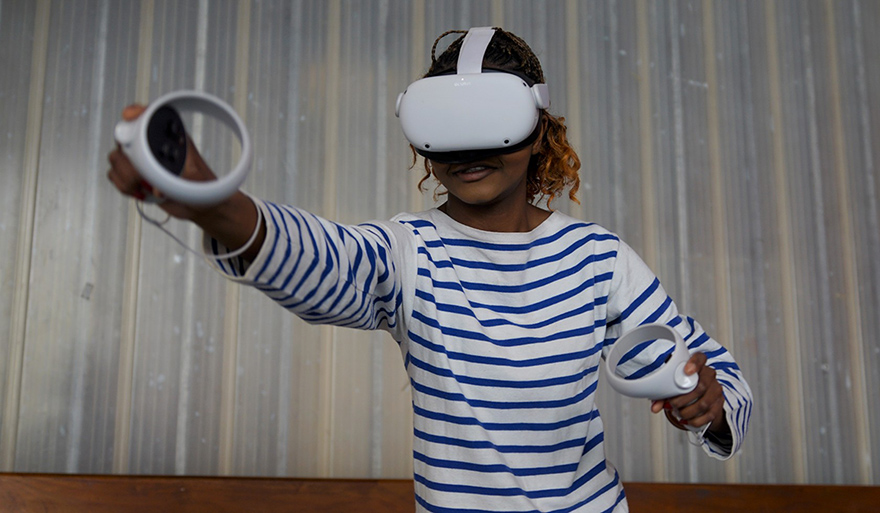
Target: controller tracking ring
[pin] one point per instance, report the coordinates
(132, 137)
(668, 381)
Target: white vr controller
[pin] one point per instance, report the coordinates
(667, 381)
(156, 145)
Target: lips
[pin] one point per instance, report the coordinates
(472, 172)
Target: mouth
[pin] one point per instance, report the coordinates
(472, 172)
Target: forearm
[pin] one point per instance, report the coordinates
(324, 272)
(232, 224)
(636, 297)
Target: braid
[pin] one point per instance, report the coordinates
(506, 52)
(436, 41)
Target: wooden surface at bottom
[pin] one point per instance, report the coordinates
(134, 494)
(21, 493)
(747, 498)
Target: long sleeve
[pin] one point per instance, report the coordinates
(326, 272)
(635, 298)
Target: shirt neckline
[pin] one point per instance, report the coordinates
(441, 218)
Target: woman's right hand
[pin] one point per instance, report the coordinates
(128, 180)
(231, 222)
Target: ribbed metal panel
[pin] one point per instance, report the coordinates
(732, 143)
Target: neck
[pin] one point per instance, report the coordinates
(500, 217)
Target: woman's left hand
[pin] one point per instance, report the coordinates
(703, 405)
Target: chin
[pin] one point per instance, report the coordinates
(477, 201)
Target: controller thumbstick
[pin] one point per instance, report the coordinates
(175, 128)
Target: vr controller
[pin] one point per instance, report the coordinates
(472, 114)
(669, 380)
(156, 144)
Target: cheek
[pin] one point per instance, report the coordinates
(518, 160)
(519, 165)
(439, 171)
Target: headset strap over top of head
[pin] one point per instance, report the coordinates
(473, 48)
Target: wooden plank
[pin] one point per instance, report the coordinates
(719, 498)
(105, 494)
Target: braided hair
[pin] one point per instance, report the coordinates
(555, 167)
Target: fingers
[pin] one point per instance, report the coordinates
(657, 406)
(670, 416)
(195, 168)
(125, 177)
(703, 405)
(696, 364)
(122, 173)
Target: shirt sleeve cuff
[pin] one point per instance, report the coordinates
(236, 268)
(722, 446)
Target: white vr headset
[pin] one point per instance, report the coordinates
(472, 114)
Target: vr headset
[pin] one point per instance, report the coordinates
(472, 114)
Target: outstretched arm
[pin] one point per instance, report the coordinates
(323, 271)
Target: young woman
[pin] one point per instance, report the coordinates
(502, 311)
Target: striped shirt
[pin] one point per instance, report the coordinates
(502, 336)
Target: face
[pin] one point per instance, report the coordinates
(486, 182)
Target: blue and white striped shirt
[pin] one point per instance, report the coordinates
(501, 334)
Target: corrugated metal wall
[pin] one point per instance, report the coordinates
(732, 143)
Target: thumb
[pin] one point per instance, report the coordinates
(132, 112)
(695, 363)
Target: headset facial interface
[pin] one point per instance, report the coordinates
(473, 114)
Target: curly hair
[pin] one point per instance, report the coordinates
(555, 166)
